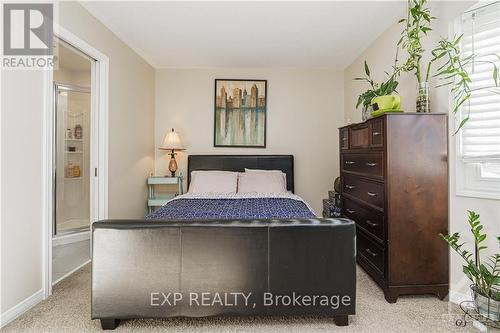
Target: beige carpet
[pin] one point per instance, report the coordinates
(68, 310)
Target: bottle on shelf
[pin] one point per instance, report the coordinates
(78, 132)
(76, 171)
(69, 170)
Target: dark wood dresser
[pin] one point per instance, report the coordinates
(394, 175)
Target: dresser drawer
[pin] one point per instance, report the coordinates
(377, 133)
(365, 190)
(344, 138)
(360, 136)
(368, 219)
(370, 251)
(370, 164)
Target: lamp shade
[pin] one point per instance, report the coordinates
(172, 141)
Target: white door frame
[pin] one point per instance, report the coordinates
(98, 147)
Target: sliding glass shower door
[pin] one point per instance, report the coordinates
(72, 159)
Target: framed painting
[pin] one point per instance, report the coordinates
(240, 113)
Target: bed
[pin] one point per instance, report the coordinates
(237, 206)
(237, 254)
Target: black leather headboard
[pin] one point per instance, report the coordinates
(238, 163)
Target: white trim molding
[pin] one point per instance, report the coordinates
(70, 238)
(48, 185)
(469, 182)
(457, 297)
(20, 308)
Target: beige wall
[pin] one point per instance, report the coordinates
(131, 142)
(21, 191)
(304, 112)
(380, 60)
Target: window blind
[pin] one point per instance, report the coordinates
(480, 137)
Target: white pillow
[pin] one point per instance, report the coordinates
(260, 182)
(283, 175)
(221, 182)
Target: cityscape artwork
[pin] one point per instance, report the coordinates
(240, 113)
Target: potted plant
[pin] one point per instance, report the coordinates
(376, 89)
(453, 71)
(485, 275)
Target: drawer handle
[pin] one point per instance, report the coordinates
(371, 194)
(371, 164)
(370, 252)
(376, 133)
(349, 162)
(344, 139)
(371, 224)
(350, 187)
(350, 211)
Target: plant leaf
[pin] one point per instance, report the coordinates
(462, 123)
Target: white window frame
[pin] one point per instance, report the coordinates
(469, 182)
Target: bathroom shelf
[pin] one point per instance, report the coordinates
(77, 140)
(74, 152)
(74, 114)
(73, 178)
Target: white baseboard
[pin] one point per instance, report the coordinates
(20, 308)
(70, 238)
(69, 273)
(457, 298)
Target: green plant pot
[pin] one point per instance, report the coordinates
(386, 102)
(486, 306)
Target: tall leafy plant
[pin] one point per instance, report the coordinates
(485, 275)
(454, 68)
(416, 25)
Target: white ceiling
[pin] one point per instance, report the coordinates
(248, 34)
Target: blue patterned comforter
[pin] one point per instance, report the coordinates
(245, 208)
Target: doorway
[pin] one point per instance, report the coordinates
(72, 138)
(73, 230)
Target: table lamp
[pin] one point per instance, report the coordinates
(172, 142)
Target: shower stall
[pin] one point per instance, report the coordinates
(72, 159)
(75, 193)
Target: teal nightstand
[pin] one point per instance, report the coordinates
(157, 200)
